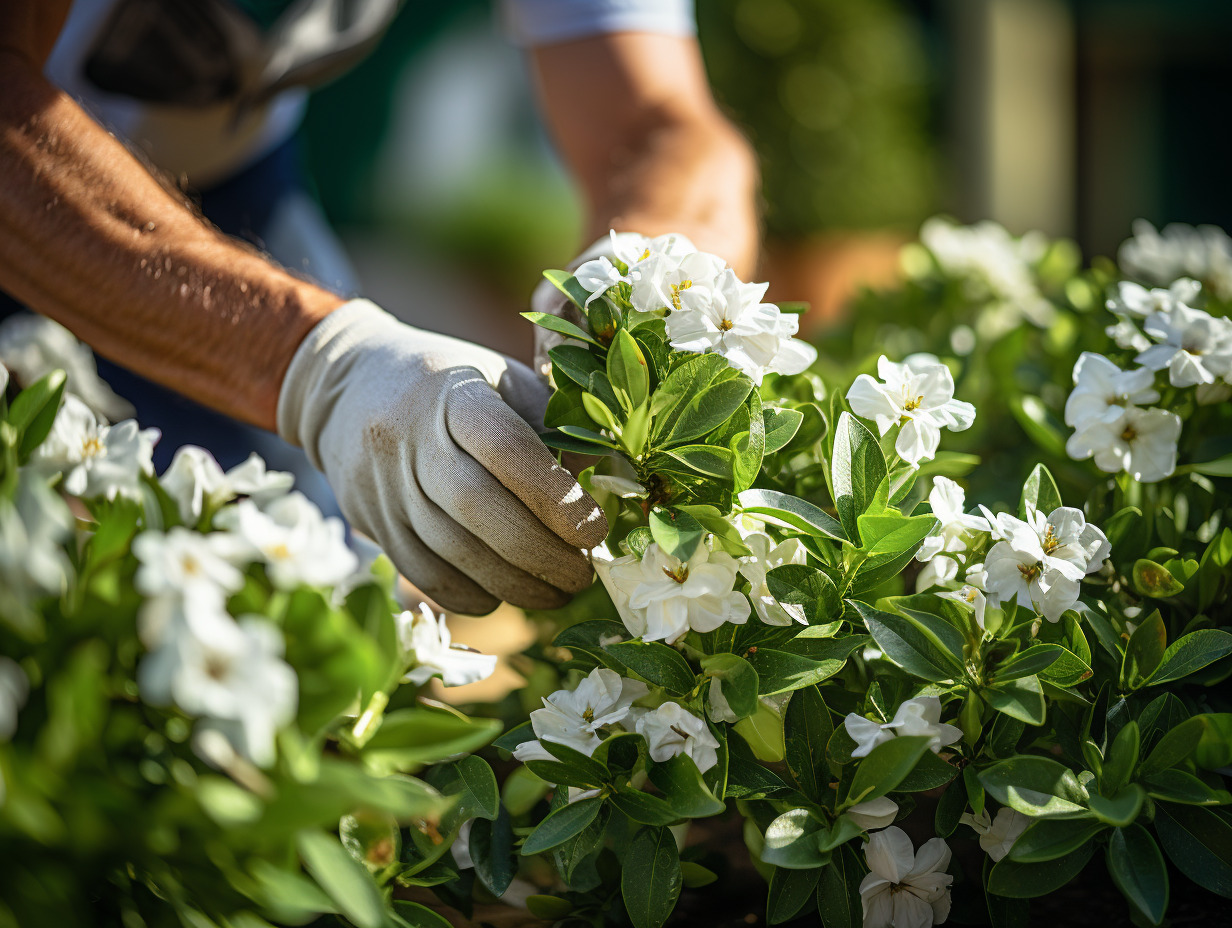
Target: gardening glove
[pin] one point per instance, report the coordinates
(430, 445)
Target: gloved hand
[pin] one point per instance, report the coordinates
(426, 442)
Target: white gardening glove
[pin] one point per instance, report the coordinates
(426, 442)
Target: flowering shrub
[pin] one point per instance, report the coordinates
(201, 716)
(1045, 695)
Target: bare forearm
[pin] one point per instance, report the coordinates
(634, 119)
(91, 239)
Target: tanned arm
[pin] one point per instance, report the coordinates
(633, 116)
(91, 239)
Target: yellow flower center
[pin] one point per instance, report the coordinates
(725, 325)
(1029, 573)
(1129, 434)
(279, 552)
(676, 288)
(680, 574)
(645, 255)
(972, 592)
(912, 405)
(1051, 541)
(92, 446)
(589, 714)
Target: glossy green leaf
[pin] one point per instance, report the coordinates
(781, 425)
(737, 681)
(656, 662)
(650, 878)
(1199, 842)
(782, 671)
(791, 512)
(907, 646)
(1050, 838)
(790, 891)
(1028, 881)
(1022, 698)
(1039, 493)
(560, 825)
(1138, 869)
(1190, 654)
(886, 766)
(791, 841)
(345, 880)
(857, 469)
(676, 532)
(1035, 786)
(561, 327)
(626, 369)
(805, 593)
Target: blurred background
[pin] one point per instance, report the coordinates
(1072, 118)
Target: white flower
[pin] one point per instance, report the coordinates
(876, 813)
(182, 562)
(33, 346)
(717, 706)
(678, 284)
(938, 571)
(1127, 335)
(634, 249)
(1136, 300)
(195, 481)
(905, 888)
(947, 499)
(237, 680)
(997, 836)
(1195, 346)
(427, 645)
(14, 687)
(1041, 561)
(665, 597)
(1102, 391)
(574, 718)
(730, 319)
(33, 528)
(765, 557)
(1204, 253)
(96, 460)
(918, 394)
(918, 716)
(997, 267)
(597, 277)
(671, 730)
(1142, 442)
(461, 847)
(970, 596)
(297, 544)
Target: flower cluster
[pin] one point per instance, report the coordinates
(1179, 250)
(1037, 562)
(602, 703)
(917, 395)
(708, 308)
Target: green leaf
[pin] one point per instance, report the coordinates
(1199, 842)
(1138, 869)
(737, 681)
(781, 425)
(1220, 467)
(676, 532)
(1028, 881)
(1022, 699)
(626, 369)
(696, 876)
(345, 880)
(892, 532)
(1145, 651)
(1033, 660)
(1173, 785)
(1121, 809)
(417, 915)
(790, 891)
(857, 469)
(571, 768)
(567, 283)
(585, 441)
(576, 363)
(1190, 654)
(1154, 580)
(643, 807)
(791, 841)
(885, 767)
(491, 848)
(908, 646)
(1215, 746)
(34, 411)
(783, 509)
(1122, 759)
(560, 825)
(838, 892)
(1039, 493)
(409, 738)
(1035, 786)
(655, 662)
(472, 785)
(808, 730)
(650, 878)
(1050, 838)
(1176, 745)
(763, 732)
(706, 460)
(599, 411)
(560, 326)
(549, 908)
(516, 735)
(805, 593)
(930, 773)
(696, 398)
(681, 784)
(782, 671)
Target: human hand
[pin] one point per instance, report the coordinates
(428, 443)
